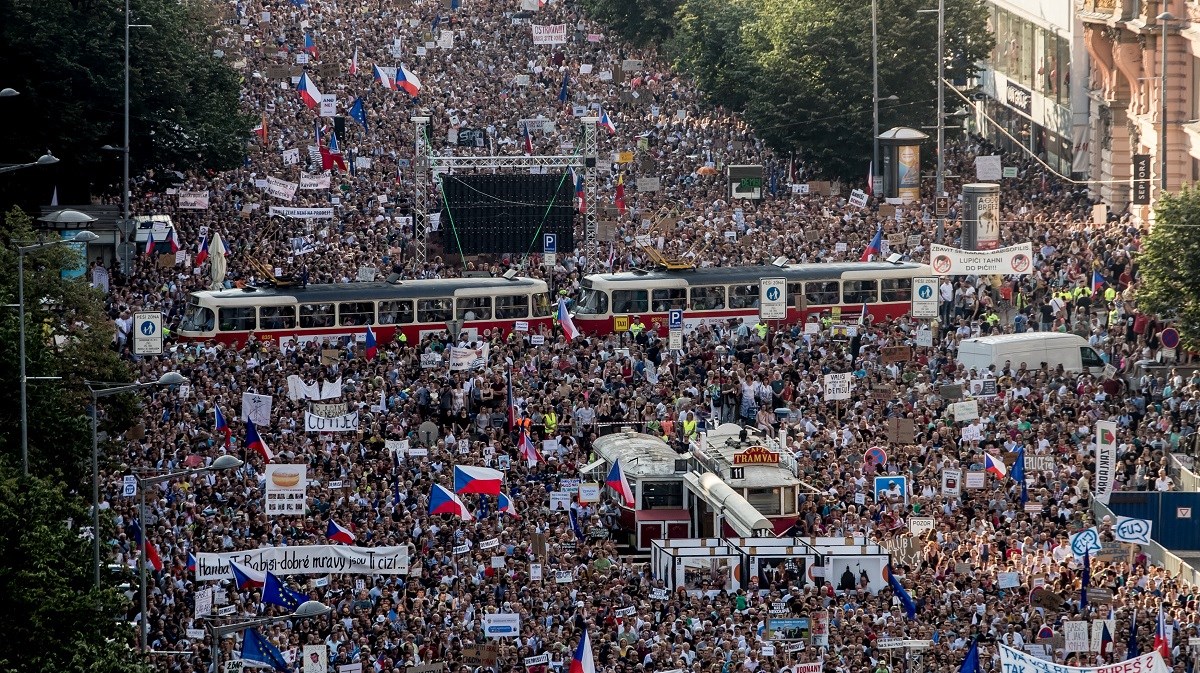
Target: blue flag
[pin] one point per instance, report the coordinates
(276, 593)
(562, 92)
(257, 650)
(970, 664)
(358, 114)
(1018, 473)
(575, 525)
(1087, 580)
(910, 608)
(1132, 645)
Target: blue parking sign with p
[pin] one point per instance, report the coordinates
(675, 319)
(550, 243)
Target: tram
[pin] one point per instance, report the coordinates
(718, 294)
(415, 307)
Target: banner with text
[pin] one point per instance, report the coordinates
(281, 189)
(193, 200)
(317, 423)
(1106, 459)
(1013, 260)
(322, 559)
(1016, 661)
(302, 213)
(555, 34)
(308, 182)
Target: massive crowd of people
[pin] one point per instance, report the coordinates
(481, 70)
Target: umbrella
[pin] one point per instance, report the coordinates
(216, 260)
(706, 170)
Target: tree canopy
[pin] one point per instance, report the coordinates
(1169, 266)
(800, 70)
(66, 60)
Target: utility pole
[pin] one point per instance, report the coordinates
(941, 114)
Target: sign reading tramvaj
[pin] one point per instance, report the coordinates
(317, 423)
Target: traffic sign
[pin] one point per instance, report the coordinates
(675, 318)
(941, 206)
(550, 243)
(1169, 337)
(925, 298)
(675, 340)
(772, 299)
(147, 333)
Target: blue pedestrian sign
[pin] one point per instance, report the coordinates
(675, 319)
(773, 301)
(148, 340)
(772, 293)
(925, 292)
(925, 297)
(550, 243)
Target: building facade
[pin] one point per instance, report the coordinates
(1125, 95)
(1034, 82)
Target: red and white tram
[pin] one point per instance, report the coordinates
(716, 294)
(414, 307)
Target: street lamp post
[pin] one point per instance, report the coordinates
(307, 610)
(940, 186)
(46, 159)
(225, 462)
(81, 237)
(168, 379)
(874, 88)
(1164, 20)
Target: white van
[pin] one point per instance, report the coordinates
(1033, 348)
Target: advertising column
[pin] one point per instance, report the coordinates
(908, 173)
(981, 216)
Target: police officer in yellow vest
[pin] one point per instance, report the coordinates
(550, 422)
(1110, 294)
(636, 327)
(761, 328)
(690, 431)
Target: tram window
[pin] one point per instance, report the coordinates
(316, 315)
(794, 290)
(512, 306)
(669, 298)
(662, 494)
(237, 319)
(593, 302)
(474, 308)
(822, 293)
(541, 304)
(859, 291)
(352, 314)
(708, 298)
(630, 301)
(434, 310)
(895, 289)
(789, 500)
(395, 312)
(277, 317)
(743, 296)
(198, 319)
(765, 500)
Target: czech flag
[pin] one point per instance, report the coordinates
(191, 562)
(1097, 282)
(174, 240)
(506, 507)
(382, 78)
(442, 501)
(994, 465)
(1106, 641)
(202, 254)
(407, 81)
(354, 63)
(152, 556)
(310, 44)
(529, 452)
(339, 533)
(275, 592)
(583, 661)
(256, 443)
(372, 349)
(308, 91)
(565, 322)
(471, 479)
(222, 425)
(616, 481)
(1160, 636)
(606, 123)
(150, 243)
(245, 577)
(874, 247)
(580, 192)
(261, 130)
(528, 140)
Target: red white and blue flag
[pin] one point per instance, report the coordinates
(580, 191)
(874, 247)
(442, 501)
(528, 140)
(372, 349)
(616, 481)
(354, 62)
(202, 251)
(152, 557)
(223, 426)
(245, 577)
(256, 443)
(1161, 642)
(382, 77)
(472, 479)
(994, 465)
(529, 451)
(583, 661)
(1097, 281)
(506, 506)
(564, 321)
(310, 44)
(339, 533)
(607, 123)
(308, 91)
(407, 82)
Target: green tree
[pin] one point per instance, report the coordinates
(52, 618)
(640, 22)
(66, 58)
(707, 45)
(1169, 266)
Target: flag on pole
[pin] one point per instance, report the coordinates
(1085, 583)
(1097, 281)
(583, 661)
(562, 91)
(256, 443)
(354, 62)
(512, 402)
(371, 349)
(222, 426)
(994, 465)
(261, 129)
(874, 247)
(606, 123)
(1131, 646)
(620, 198)
(332, 156)
(358, 113)
(529, 451)
(616, 481)
(528, 140)
(310, 44)
(339, 533)
(407, 81)
(1160, 636)
(570, 332)
(258, 651)
(382, 77)
(308, 91)
(970, 663)
(910, 608)
(871, 179)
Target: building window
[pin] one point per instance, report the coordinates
(765, 500)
